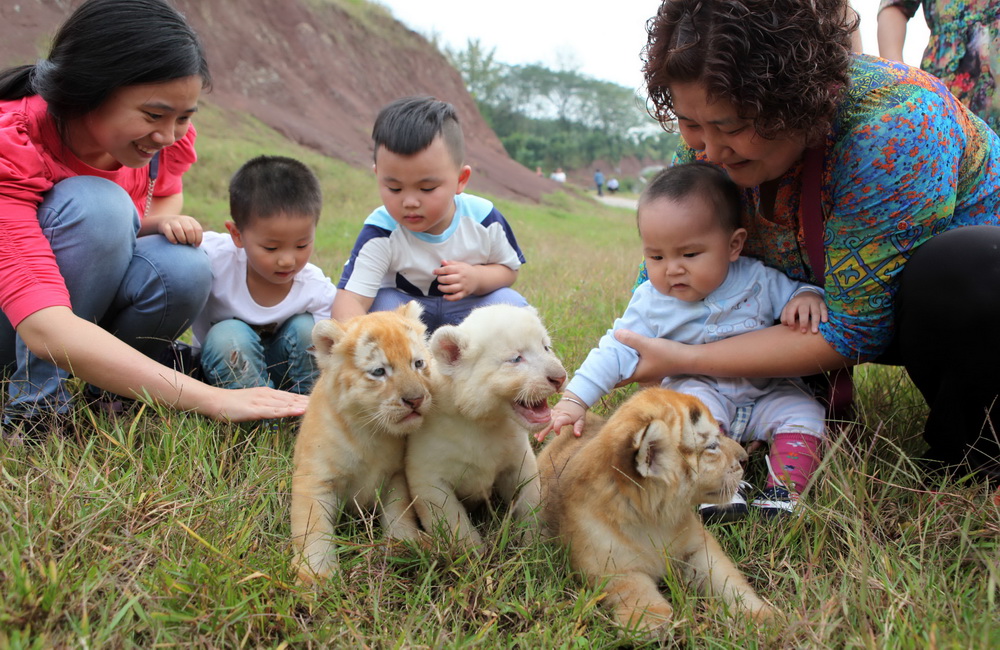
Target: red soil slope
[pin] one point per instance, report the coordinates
(310, 69)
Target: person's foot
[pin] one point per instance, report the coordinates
(725, 512)
(34, 429)
(776, 501)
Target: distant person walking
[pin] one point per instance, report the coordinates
(963, 49)
(599, 182)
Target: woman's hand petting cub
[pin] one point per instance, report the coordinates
(805, 310)
(564, 413)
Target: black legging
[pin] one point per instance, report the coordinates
(948, 338)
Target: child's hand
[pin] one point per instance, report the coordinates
(563, 413)
(457, 280)
(805, 311)
(180, 229)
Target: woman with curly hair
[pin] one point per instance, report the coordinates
(861, 175)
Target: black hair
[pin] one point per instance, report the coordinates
(409, 125)
(702, 179)
(269, 186)
(105, 45)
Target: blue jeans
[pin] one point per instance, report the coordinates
(145, 291)
(235, 355)
(438, 311)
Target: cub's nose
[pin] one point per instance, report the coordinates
(413, 402)
(557, 381)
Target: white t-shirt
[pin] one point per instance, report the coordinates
(311, 291)
(388, 255)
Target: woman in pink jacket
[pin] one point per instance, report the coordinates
(99, 268)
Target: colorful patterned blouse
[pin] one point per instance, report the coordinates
(904, 161)
(963, 49)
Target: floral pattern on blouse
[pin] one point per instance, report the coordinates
(903, 162)
(963, 49)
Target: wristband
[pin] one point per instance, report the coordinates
(575, 401)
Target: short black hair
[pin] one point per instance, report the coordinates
(407, 126)
(698, 179)
(268, 186)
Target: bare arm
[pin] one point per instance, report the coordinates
(776, 351)
(891, 33)
(348, 304)
(96, 356)
(856, 44)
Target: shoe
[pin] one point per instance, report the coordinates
(775, 501)
(108, 404)
(725, 512)
(34, 429)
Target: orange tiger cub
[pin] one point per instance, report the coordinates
(622, 499)
(373, 391)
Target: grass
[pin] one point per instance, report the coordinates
(167, 529)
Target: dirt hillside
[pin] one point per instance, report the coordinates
(315, 70)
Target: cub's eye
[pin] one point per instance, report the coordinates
(377, 372)
(517, 359)
(418, 364)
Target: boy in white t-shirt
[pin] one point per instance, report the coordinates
(430, 241)
(256, 328)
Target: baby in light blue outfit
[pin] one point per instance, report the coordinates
(700, 290)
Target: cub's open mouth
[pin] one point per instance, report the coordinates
(534, 413)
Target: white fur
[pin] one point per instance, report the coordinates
(475, 442)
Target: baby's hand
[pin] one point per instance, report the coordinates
(806, 311)
(457, 280)
(181, 229)
(563, 413)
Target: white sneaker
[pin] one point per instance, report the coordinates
(723, 512)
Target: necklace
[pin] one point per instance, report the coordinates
(154, 169)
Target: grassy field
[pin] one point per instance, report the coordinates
(171, 530)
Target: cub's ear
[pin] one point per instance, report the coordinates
(449, 345)
(652, 445)
(325, 335)
(412, 309)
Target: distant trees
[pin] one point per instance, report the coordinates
(558, 118)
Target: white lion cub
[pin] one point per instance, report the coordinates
(493, 375)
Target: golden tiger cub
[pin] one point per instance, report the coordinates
(373, 391)
(622, 499)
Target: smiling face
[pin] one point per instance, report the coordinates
(686, 248)
(134, 123)
(277, 247)
(716, 128)
(419, 190)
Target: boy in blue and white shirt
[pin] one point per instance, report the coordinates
(429, 242)
(701, 290)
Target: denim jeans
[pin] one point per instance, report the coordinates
(438, 311)
(235, 355)
(145, 291)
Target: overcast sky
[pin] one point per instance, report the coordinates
(600, 40)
